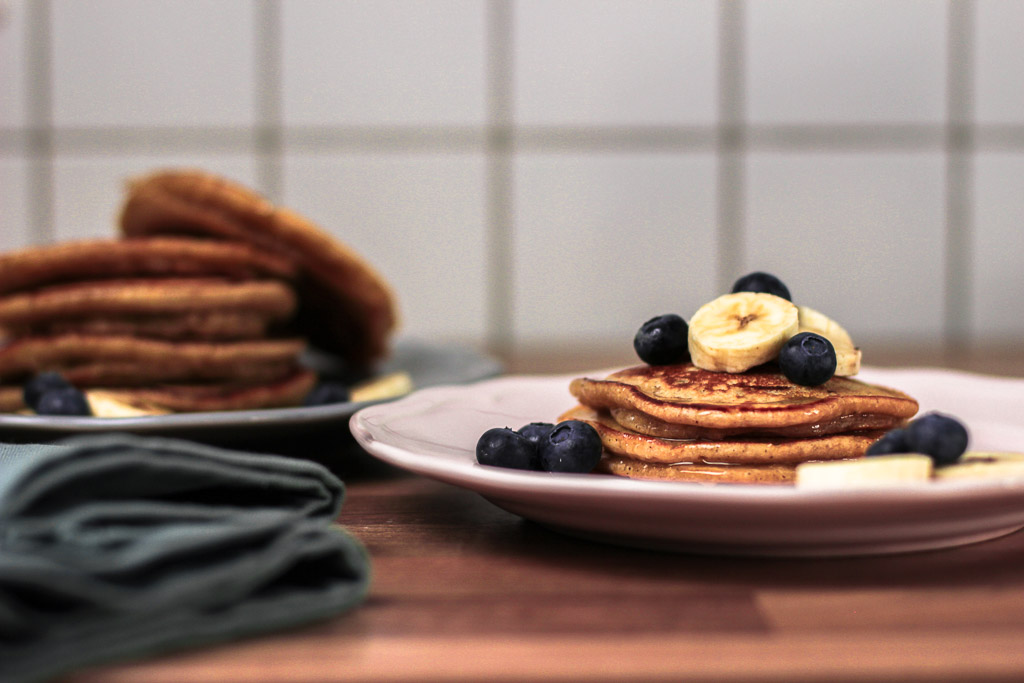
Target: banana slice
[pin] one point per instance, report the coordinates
(387, 386)
(984, 465)
(877, 471)
(106, 404)
(847, 353)
(735, 332)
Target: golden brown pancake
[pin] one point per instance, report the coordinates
(346, 306)
(636, 421)
(157, 257)
(746, 451)
(151, 297)
(196, 325)
(708, 474)
(286, 390)
(759, 399)
(107, 361)
(289, 390)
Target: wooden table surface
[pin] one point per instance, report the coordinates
(463, 591)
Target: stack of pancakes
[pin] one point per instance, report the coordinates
(205, 303)
(679, 422)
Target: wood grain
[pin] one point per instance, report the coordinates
(463, 591)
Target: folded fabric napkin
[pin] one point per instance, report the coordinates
(116, 546)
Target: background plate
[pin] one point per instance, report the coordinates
(434, 432)
(270, 430)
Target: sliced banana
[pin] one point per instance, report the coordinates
(984, 465)
(386, 386)
(735, 332)
(109, 404)
(878, 471)
(847, 353)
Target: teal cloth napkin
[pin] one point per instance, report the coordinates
(115, 547)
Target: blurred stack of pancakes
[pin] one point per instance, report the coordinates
(678, 422)
(206, 301)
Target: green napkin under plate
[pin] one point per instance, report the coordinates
(115, 547)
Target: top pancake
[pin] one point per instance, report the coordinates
(346, 306)
(41, 266)
(761, 398)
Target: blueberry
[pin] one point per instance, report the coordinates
(762, 282)
(893, 441)
(536, 431)
(40, 384)
(663, 340)
(939, 436)
(572, 446)
(505, 447)
(327, 392)
(808, 359)
(63, 401)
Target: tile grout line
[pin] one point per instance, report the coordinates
(70, 141)
(499, 329)
(39, 105)
(730, 141)
(267, 137)
(958, 281)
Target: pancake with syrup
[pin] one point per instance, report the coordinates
(688, 402)
(756, 451)
(346, 307)
(682, 423)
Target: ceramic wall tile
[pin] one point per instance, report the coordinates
(13, 78)
(997, 281)
(14, 204)
(857, 236)
(615, 62)
(846, 61)
(153, 63)
(384, 62)
(604, 242)
(999, 97)
(419, 219)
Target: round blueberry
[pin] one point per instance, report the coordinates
(893, 441)
(663, 340)
(327, 392)
(40, 384)
(762, 282)
(808, 359)
(63, 401)
(505, 447)
(942, 437)
(536, 431)
(572, 446)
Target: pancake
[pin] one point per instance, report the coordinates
(286, 391)
(36, 267)
(289, 389)
(636, 421)
(346, 306)
(100, 361)
(708, 474)
(757, 400)
(197, 325)
(618, 440)
(152, 297)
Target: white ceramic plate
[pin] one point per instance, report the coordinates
(434, 432)
(427, 364)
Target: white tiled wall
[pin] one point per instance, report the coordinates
(526, 172)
